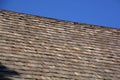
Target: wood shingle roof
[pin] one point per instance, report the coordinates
(39, 48)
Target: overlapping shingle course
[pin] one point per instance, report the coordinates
(40, 48)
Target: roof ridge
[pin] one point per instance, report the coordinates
(92, 26)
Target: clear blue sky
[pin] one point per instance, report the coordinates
(97, 12)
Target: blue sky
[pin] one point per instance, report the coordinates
(97, 12)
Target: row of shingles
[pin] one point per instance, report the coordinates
(110, 63)
(104, 52)
(67, 39)
(103, 39)
(49, 60)
(10, 43)
(89, 57)
(53, 33)
(101, 56)
(50, 31)
(57, 40)
(104, 36)
(107, 38)
(1, 44)
(13, 38)
(75, 53)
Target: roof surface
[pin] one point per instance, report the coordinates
(40, 48)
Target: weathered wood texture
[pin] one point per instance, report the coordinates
(40, 48)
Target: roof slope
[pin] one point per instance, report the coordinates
(40, 48)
